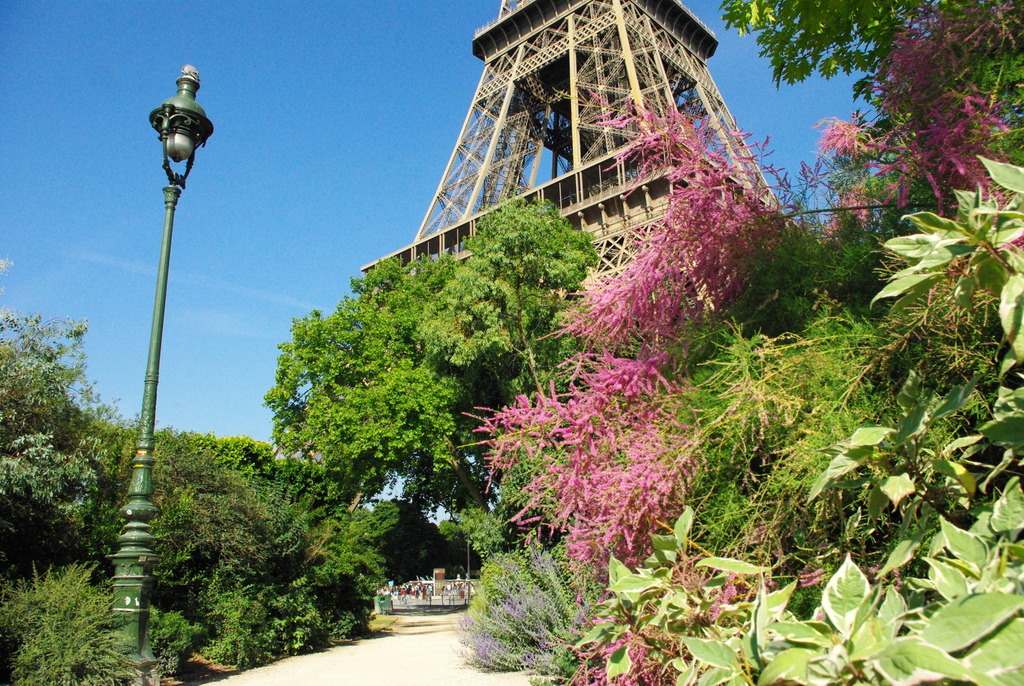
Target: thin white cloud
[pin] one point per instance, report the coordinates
(203, 281)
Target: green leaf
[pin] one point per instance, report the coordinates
(803, 633)
(969, 619)
(870, 435)
(912, 424)
(726, 564)
(714, 653)
(949, 581)
(619, 663)
(956, 471)
(910, 392)
(788, 666)
(910, 660)
(616, 569)
(929, 221)
(898, 487)
(1011, 313)
(901, 554)
(1008, 176)
(664, 549)
(916, 284)
(839, 466)
(964, 545)
(953, 401)
(777, 600)
(1008, 512)
(844, 593)
(715, 676)
(1007, 432)
(599, 633)
(1001, 651)
(682, 528)
(890, 613)
(632, 584)
(877, 501)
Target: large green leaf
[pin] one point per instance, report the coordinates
(928, 221)
(839, 466)
(870, 435)
(844, 593)
(910, 392)
(619, 663)
(1008, 176)
(901, 554)
(804, 633)
(1011, 313)
(910, 660)
(713, 653)
(969, 619)
(727, 564)
(949, 581)
(634, 584)
(682, 528)
(890, 613)
(916, 284)
(716, 676)
(1000, 651)
(789, 666)
(966, 546)
(953, 401)
(898, 487)
(1008, 513)
(957, 471)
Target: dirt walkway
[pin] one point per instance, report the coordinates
(420, 649)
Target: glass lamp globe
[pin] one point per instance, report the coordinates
(179, 146)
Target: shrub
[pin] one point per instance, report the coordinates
(527, 616)
(63, 630)
(243, 633)
(173, 639)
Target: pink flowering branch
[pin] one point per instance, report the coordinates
(933, 122)
(611, 458)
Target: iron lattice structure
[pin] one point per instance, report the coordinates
(553, 69)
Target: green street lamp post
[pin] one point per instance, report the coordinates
(183, 127)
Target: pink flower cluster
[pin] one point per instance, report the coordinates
(933, 120)
(694, 261)
(611, 458)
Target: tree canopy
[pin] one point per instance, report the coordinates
(382, 389)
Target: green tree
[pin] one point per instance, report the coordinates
(804, 37)
(409, 543)
(48, 461)
(494, 318)
(353, 390)
(383, 389)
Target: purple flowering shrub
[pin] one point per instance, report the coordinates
(527, 616)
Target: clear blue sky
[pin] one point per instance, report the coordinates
(334, 122)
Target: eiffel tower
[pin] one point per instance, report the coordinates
(553, 69)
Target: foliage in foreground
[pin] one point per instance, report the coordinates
(710, 620)
(63, 631)
(704, 621)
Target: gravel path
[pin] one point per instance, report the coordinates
(420, 649)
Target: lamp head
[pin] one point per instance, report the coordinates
(181, 122)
